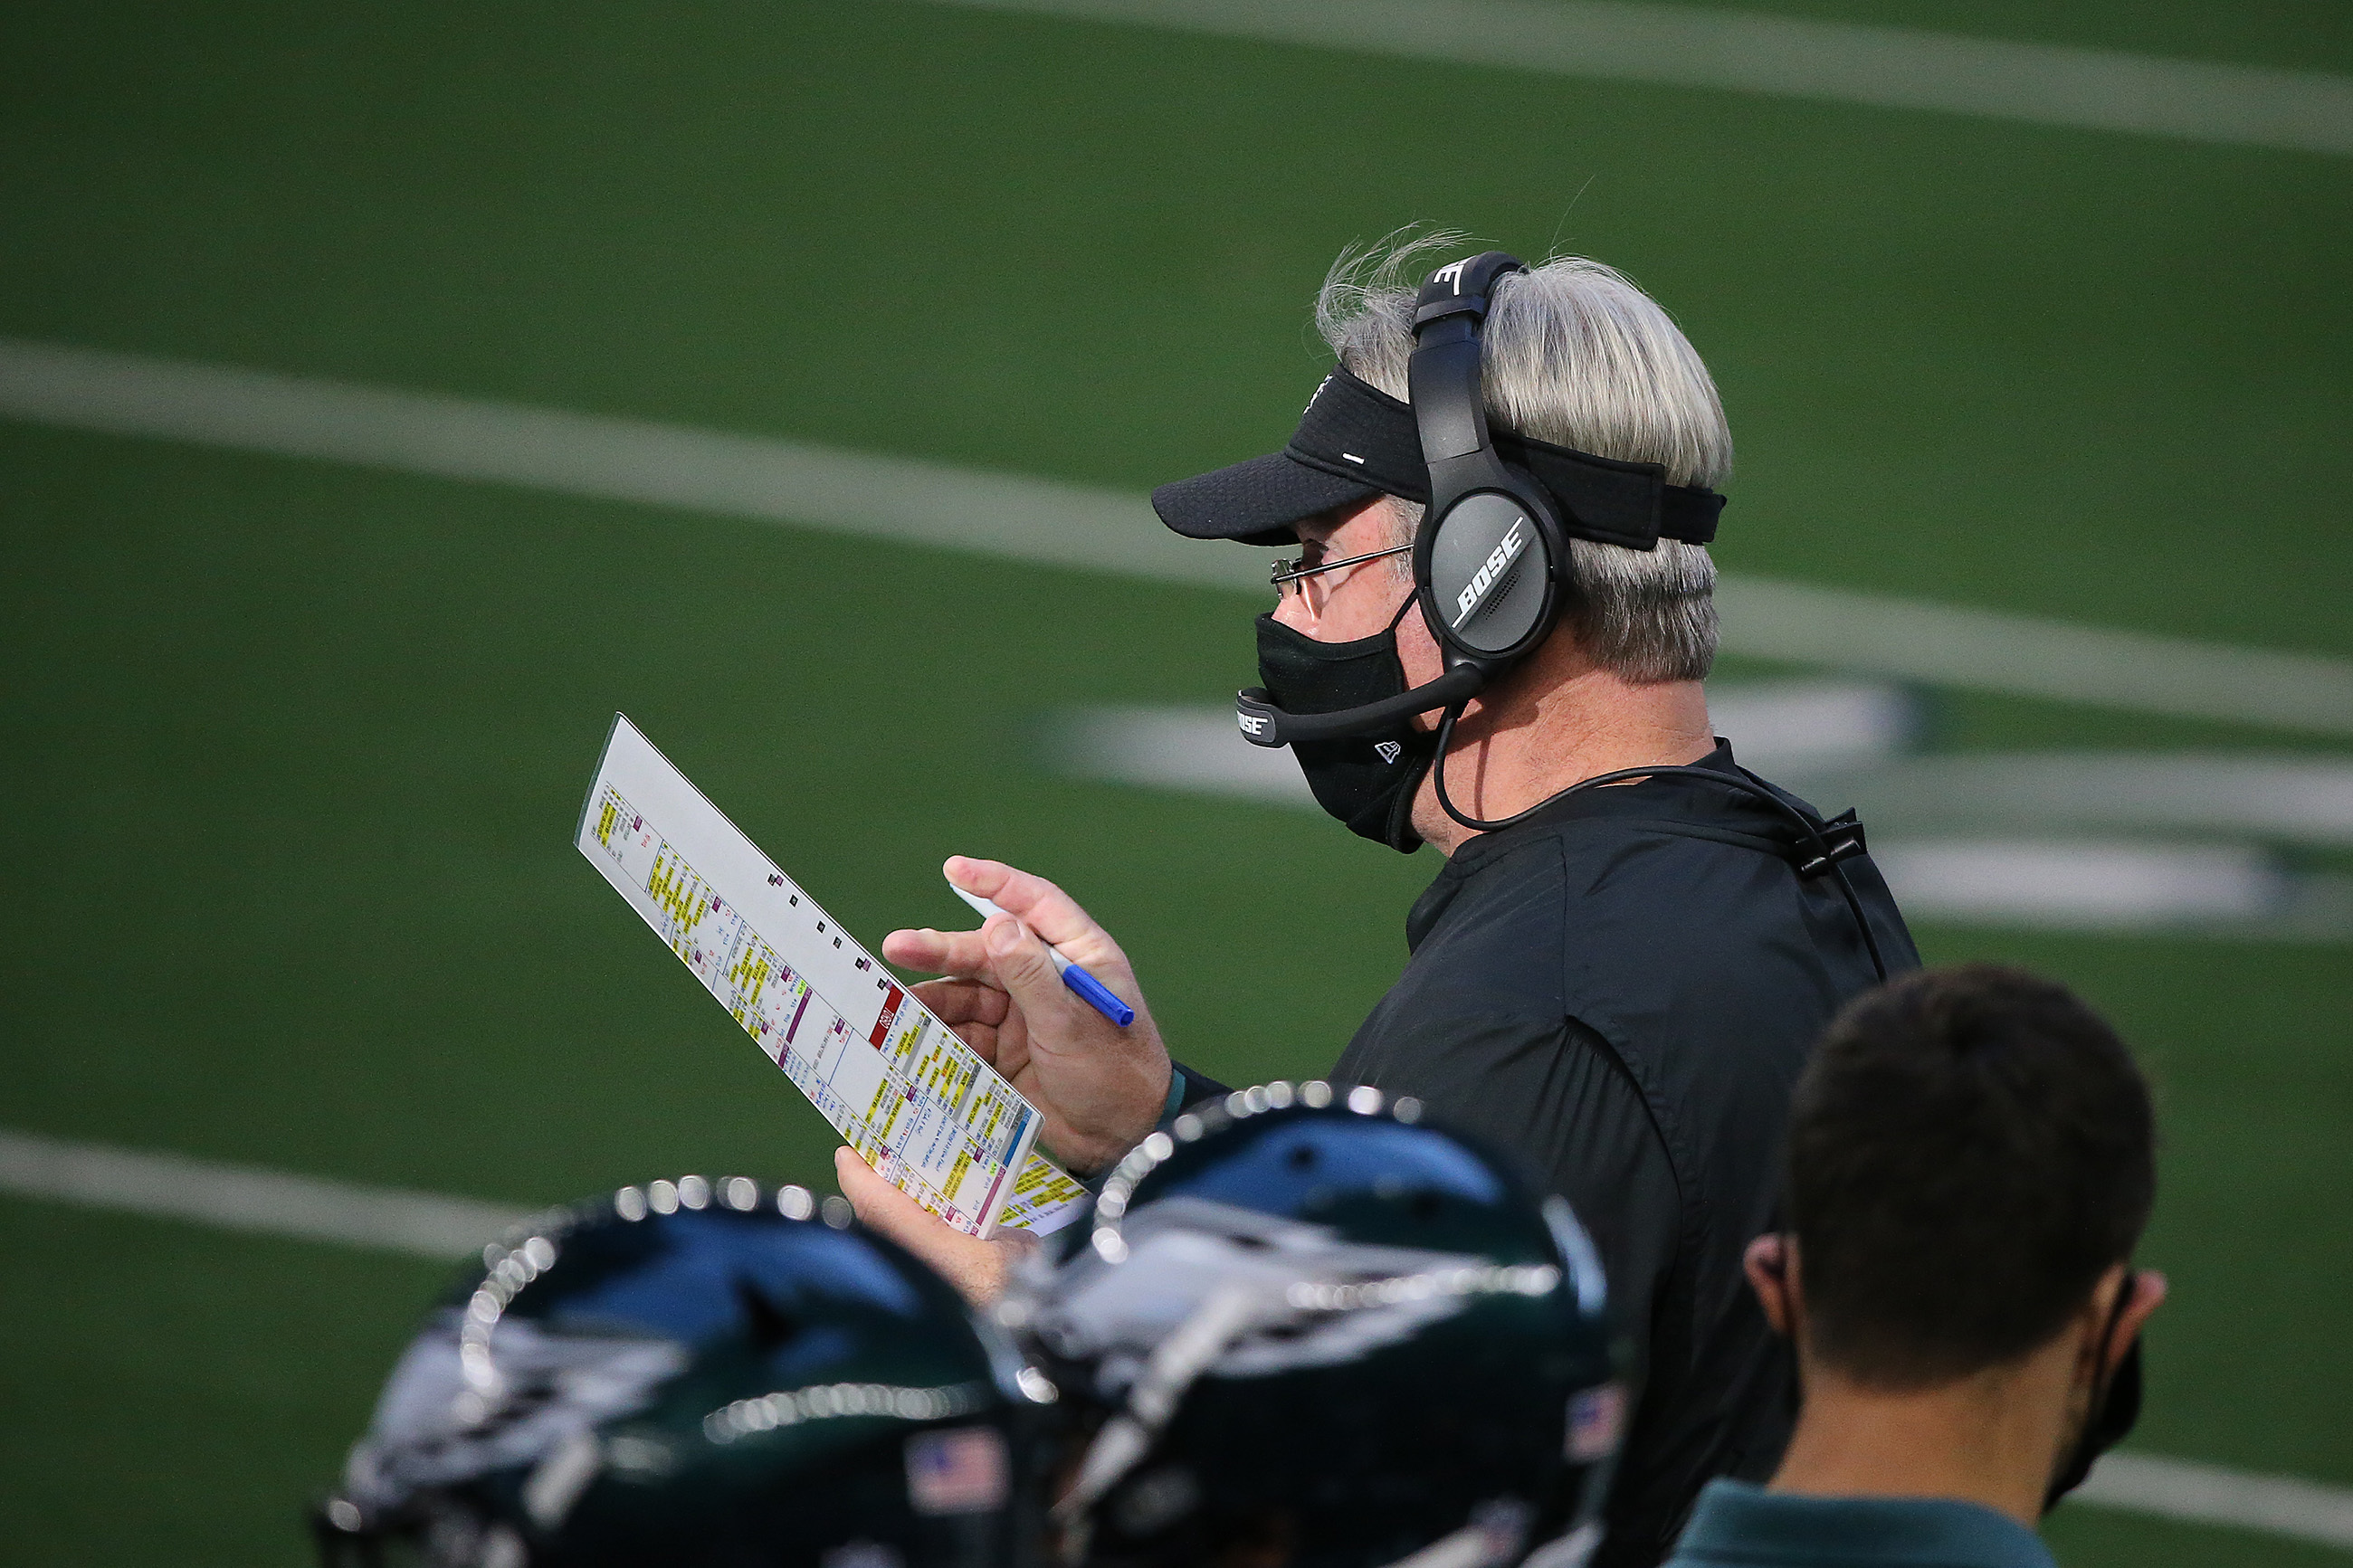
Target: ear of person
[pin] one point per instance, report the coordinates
(2119, 1308)
(1767, 1263)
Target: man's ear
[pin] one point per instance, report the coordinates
(2119, 1304)
(1772, 1263)
(2148, 1291)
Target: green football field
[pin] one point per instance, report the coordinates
(292, 751)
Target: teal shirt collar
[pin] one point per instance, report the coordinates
(1736, 1523)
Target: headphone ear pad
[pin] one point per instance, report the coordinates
(1491, 568)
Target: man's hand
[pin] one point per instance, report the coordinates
(979, 1269)
(1099, 1087)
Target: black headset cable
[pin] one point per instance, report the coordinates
(1807, 827)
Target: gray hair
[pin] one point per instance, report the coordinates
(1576, 355)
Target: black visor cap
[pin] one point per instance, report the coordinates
(1355, 442)
(1260, 501)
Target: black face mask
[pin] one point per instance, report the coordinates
(1366, 780)
(2116, 1406)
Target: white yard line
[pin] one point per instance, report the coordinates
(2118, 842)
(605, 458)
(2025, 656)
(1065, 525)
(1796, 728)
(2302, 800)
(238, 1197)
(1194, 750)
(2041, 881)
(1786, 56)
(2306, 800)
(279, 1203)
(2208, 1494)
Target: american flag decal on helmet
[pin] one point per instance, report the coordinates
(962, 1470)
(1595, 1417)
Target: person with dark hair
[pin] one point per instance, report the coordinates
(1971, 1161)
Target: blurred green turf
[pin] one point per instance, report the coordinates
(2295, 35)
(177, 1395)
(2097, 1537)
(293, 752)
(325, 735)
(1964, 358)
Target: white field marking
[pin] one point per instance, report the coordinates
(1073, 526)
(1994, 651)
(1786, 56)
(2111, 886)
(239, 1197)
(2024, 840)
(1780, 726)
(1838, 742)
(607, 458)
(1776, 724)
(2208, 1494)
(2277, 799)
(1195, 750)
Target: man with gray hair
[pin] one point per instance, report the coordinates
(1616, 986)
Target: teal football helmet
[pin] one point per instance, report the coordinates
(698, 1373)
(1300, 1331)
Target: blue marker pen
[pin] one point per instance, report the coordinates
(1092, 991)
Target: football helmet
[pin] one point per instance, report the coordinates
(694, 1372)
(1300, 1331)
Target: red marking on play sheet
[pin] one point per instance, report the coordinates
(883, 1020)
(989, 1204)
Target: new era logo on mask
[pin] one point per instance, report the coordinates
(1390, 750)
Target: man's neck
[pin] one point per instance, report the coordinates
(1541, 735)
(1991, 1439)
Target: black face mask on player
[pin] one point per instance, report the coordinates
(1367, 780)
(2115, 1405)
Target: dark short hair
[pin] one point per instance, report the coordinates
(1970, 1150)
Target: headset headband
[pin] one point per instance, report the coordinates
(1490, 558)
(1442, 379)
(1353, 430)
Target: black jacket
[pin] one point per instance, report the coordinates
(1620, 993)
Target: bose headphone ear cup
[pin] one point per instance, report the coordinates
(1494, 571)
(1492, 563)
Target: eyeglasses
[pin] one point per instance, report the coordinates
(1287, 572)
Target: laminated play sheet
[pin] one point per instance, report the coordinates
(916, 1102)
